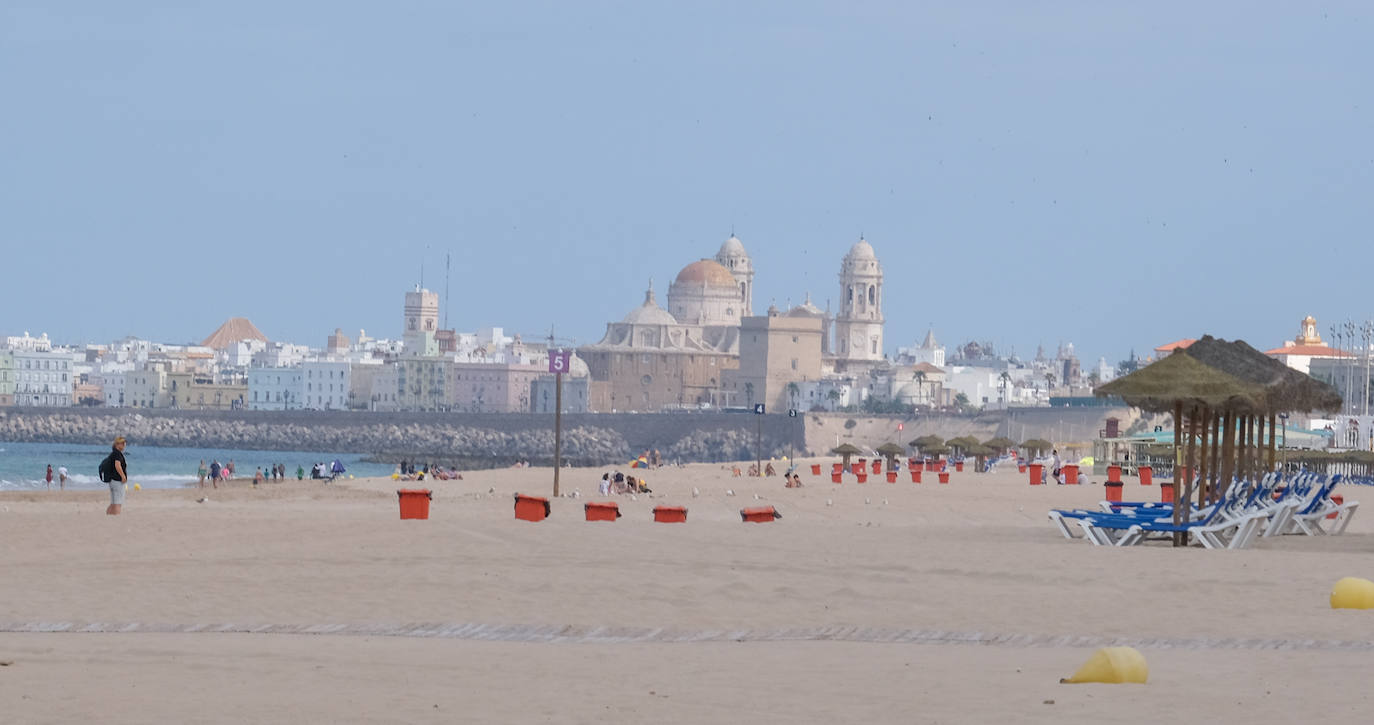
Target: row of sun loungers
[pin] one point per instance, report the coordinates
(1270, 506)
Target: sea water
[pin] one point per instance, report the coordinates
(23, 465)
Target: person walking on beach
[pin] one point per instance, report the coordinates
(1055, 465)
(62, 477)
(215, 471)
(114, 470)
(48, 477)
(201, 472)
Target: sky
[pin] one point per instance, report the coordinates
(1115, 175)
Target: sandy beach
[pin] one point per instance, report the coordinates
(865, 603)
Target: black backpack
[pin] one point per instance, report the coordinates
(107, 469)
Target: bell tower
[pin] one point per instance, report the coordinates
(859, 324)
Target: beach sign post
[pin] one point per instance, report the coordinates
(758, 440)
(559, 360)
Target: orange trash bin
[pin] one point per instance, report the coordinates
(877, 466)
(1036, 471)
(531, 508)
(1113, 473)
(602, 511)
(1113, 490)
(959, 467)
(1147, 475)
(414, 502)
(915, 475)
(670, 514)
(1070, 471)
(759, 515)
(944, 476)
(836, 477)
(1166, 491)
(891, 476)
(815, 469)
(863, 477)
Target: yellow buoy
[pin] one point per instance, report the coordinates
(1353, 593)
(350, 477)
(395, 476)
(1112, 665)
(137, 487)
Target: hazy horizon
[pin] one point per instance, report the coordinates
(1115, 176)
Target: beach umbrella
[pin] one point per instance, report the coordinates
(1000, 443)
(846, 450)
(925, 442)
(891, 451)
(1036, 446)
(962, 443)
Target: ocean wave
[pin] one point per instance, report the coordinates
(82, 481)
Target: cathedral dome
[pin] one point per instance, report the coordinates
(806, 309)
(708, 272)
(649, 313)
(732, 248)
(861, 250)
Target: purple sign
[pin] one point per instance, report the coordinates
(560, 360)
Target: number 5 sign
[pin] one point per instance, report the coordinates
(560, 360)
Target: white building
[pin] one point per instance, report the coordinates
(43, 377)
(276, 388)
(280, 355)
(327, 384)
(929, 351)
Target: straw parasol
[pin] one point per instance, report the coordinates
(846, 450)
(999, 443)
(926, 441)
(1229, 391)
(1037, 445)
(891, 451)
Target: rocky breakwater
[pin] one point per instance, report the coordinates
(450, 443)
(471, 441)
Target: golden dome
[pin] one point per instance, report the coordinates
(706, 271)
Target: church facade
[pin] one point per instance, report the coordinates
(689, 355)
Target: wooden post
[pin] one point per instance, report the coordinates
(1273, 431)
(1216, 456)
(1178, 469)
(1193, 426)
(1228, 453)
(557, 429)
(1204, 451)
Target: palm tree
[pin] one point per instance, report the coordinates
(921, 380)
(834, 397)
(1002, 381)
(1049, 382)
(793, 390)
(749, 393)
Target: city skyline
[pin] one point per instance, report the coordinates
(1113, 177)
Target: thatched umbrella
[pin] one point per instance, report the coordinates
(1000, 443)
(891, 451)
(926, 441)
(962, 444)
(846, 450)
(1036, 446)
(935, 450)
(980, 453)
(1227, 390)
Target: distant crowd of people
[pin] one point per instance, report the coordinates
(407, 471)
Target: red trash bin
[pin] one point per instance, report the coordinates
(891, 476)
(531, 508)
(959, 467)
(670, 514)
(1113, 473)
(877, 466)
(1113, 490)
(1337, 499)
(944, 476)
(602, 511)
(1070, 471)
(1146, 474)
(863, 477)
(1036, 470)
(759, 515)
(1166, 491)
(836, 477)
(414, 502)
(815, 469)
(915, 475)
